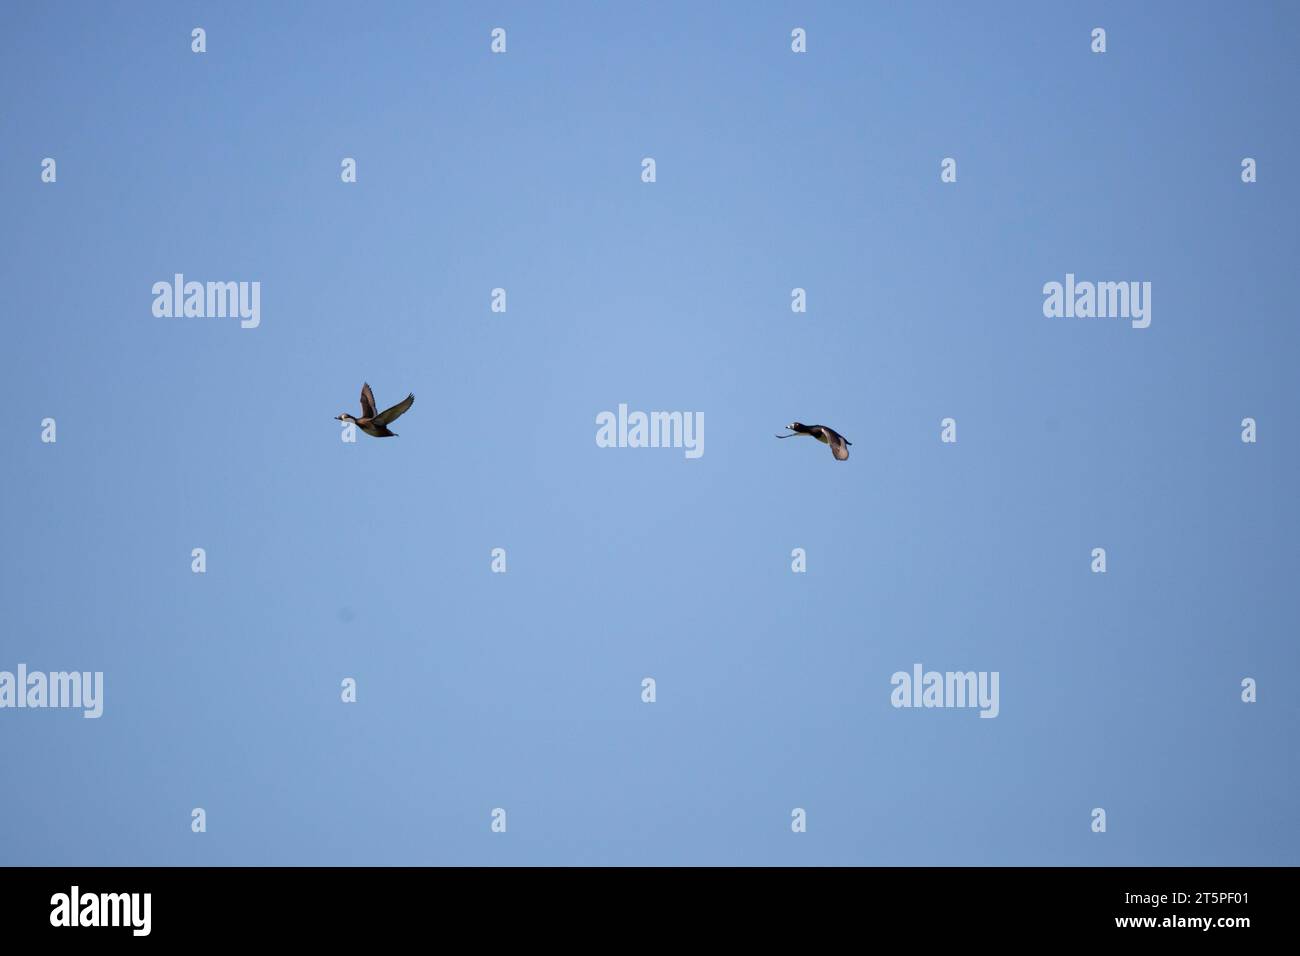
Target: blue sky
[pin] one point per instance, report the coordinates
(522, 690)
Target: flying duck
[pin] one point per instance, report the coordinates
(373, 423)
(824, 434)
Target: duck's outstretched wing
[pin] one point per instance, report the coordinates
(367, 401)
(397, 411)
(839, 446)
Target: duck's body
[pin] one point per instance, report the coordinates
(376, 423)
(824, 434)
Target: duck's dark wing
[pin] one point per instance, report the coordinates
(391, 414)
(367, 402)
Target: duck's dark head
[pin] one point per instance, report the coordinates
(345, 417)
(797, 427)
